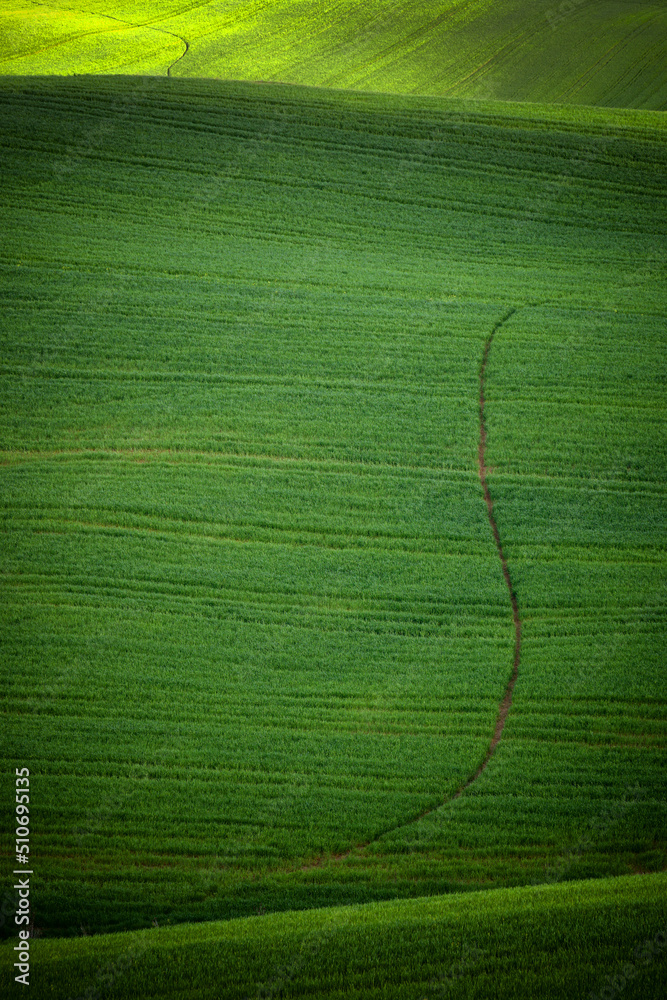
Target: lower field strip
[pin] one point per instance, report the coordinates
(506, 702)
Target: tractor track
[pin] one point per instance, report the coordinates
(127, 24)
(507, 698)
(504, 707)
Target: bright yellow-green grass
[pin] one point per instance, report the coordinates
(608, 52)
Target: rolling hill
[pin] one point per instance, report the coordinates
(606, 52)
(332, 451)
(582, 939)
(256, 623)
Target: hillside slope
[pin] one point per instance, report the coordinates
(578, 941)
(606, 52)
(254, 622)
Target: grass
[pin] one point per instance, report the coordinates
(254, 624)
(253, 614)
(608, 53)
(583, 939)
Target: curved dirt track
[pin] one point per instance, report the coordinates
(183, 53)
(507, 699)
(504, 706)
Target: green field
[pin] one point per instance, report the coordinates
(255, 629)
(254, 615)
(603, 52)
(590, 939)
